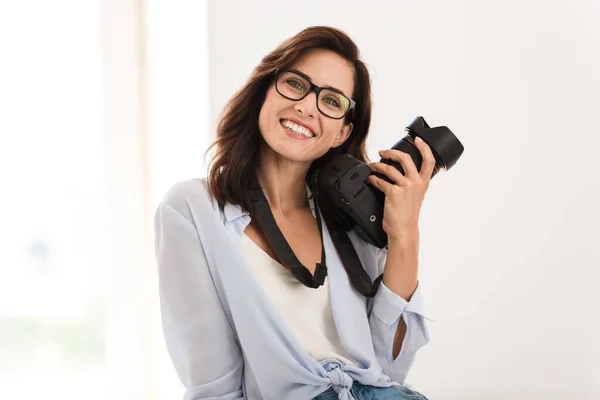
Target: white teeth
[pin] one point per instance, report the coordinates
(297, 129)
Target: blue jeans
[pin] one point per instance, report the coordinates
(366, 392)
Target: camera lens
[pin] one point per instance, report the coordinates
(444, 145)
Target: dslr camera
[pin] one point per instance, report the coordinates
(355, 204)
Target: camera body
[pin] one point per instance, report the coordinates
(355, 204)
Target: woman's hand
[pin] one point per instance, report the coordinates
(404, 198)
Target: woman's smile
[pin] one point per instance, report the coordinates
(296, 130)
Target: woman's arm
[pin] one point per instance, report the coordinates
(398, 326)
(397, 319)
(199, 338)
(401, 276)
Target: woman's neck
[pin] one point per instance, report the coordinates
(283, 183)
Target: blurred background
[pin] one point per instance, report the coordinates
(106, 104)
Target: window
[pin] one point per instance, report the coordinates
(91, 140)
(51, 293)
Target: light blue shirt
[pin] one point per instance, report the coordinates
(226, 338)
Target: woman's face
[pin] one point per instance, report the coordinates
(285, 124)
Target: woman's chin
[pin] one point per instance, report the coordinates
(293, 154)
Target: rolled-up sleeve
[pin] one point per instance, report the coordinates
(386, 310)
(198, 336)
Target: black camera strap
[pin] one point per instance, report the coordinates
(279, 244)
(352, 264)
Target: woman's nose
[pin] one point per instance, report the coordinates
(308, 105)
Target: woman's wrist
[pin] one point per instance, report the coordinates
(404, 238)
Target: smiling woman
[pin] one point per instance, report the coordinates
(238, 134)
(292, 101)
(237, 324)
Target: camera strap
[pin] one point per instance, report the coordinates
(352, 264)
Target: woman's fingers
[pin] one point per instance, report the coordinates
(381, 184)
(391, 172)
(428, 163)
(410, 169)
(402, 158)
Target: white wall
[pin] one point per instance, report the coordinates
(509, 256)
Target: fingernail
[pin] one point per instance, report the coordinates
(418, 139)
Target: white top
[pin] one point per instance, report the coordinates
(307, 311)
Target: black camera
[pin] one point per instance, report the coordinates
(355, 204)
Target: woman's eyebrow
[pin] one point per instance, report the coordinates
(302, 74)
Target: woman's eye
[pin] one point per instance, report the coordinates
(332, 102)
(295, 84)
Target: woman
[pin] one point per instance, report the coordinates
(237, 324)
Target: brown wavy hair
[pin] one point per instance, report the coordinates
(238, 139)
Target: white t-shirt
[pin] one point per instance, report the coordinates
(307, 311)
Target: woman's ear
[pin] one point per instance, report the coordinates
(343, 135)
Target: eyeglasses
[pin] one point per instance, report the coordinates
(295, 86)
